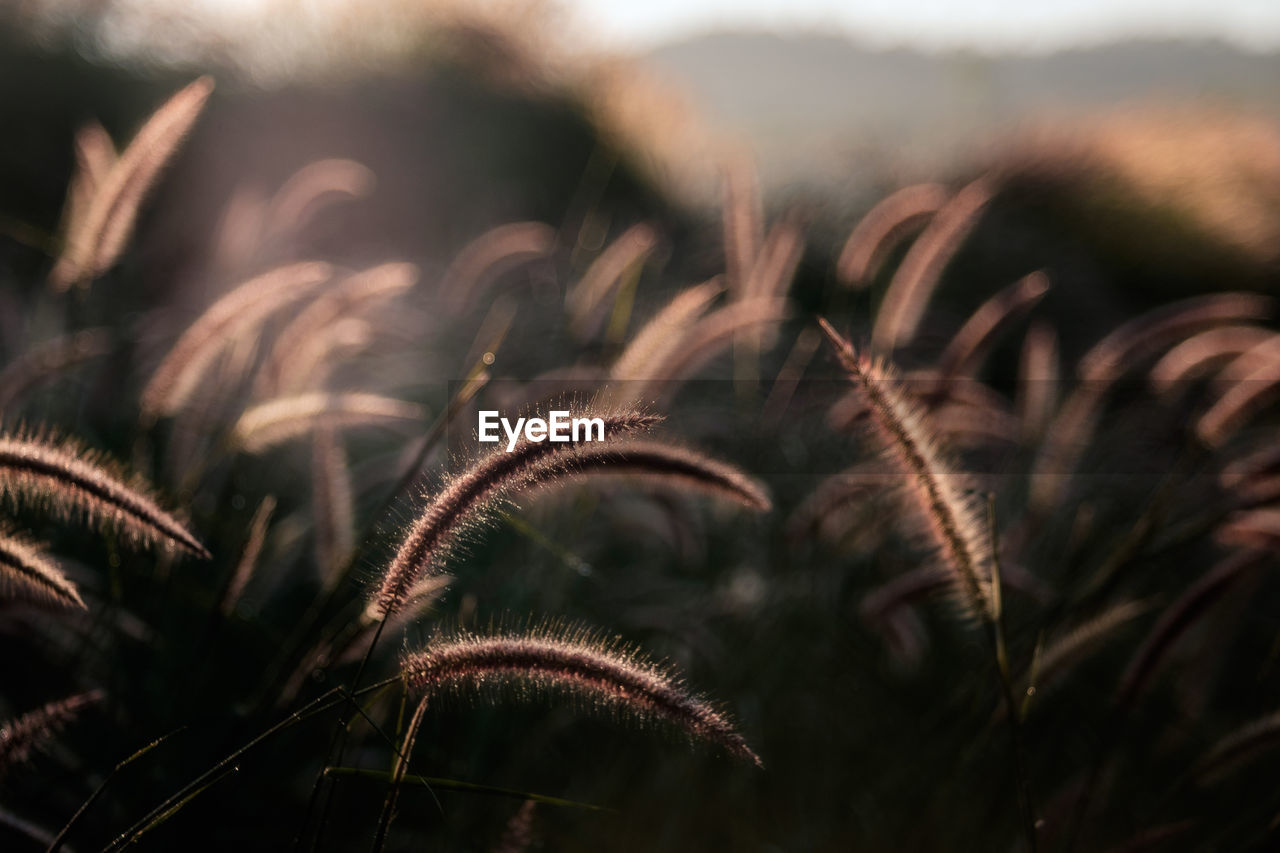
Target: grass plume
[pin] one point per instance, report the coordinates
(250, 555)
(24, 735)
(664, 331)
(1166, 326)
(48, 360)
(463, 500)
(331, 504)
(917, 277)
(231, 319)
(272, 423)
(623, 257)
(303, 341)
(596, 671)
(1203, 351)
(669, 465)
(979, 333)
(1180, 616)
(883, 227)
(71, 480)
(491, 256)
(954, 523)
(27, 573)
(95, 241)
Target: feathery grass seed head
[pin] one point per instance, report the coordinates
(596, 671)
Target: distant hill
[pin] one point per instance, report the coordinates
(816, 105)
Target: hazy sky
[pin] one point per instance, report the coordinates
(999, 24)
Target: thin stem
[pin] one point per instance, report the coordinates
(338, 741)
(316, 612)
(398, 770)
(62, 834)
(996, 623)
(316, 706)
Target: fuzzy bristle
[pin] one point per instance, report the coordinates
(21, 737)
(70, 480)
(465, 499)
(913, 284)
(232, 319)
(586, 301)
(883, 228)
(601, 672)
(268, 424)
(954, 523)
(95, 239)
(27, 573)
(667, 464)
(664, 332)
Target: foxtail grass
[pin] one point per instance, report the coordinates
(1201, 352)
(1167, 326)
(980, 332)
(232, 319)
(21, 737)
(46, 361)
(28, 574)
(664, 332)
(73, 481)
(596, 671)
(883, 228)
(317, 329)
(95, 155)
(916, 278)
(669, 465)
(463, 502)
(954, 523)
(1038, 377)
(95, 240)
(269, 424)
(625, 256)
(311, 188)
(491, 256)
(743, 223)
(1178, 618)
(332, 505)
(250, 556)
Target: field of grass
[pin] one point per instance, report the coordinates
(934, 523)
